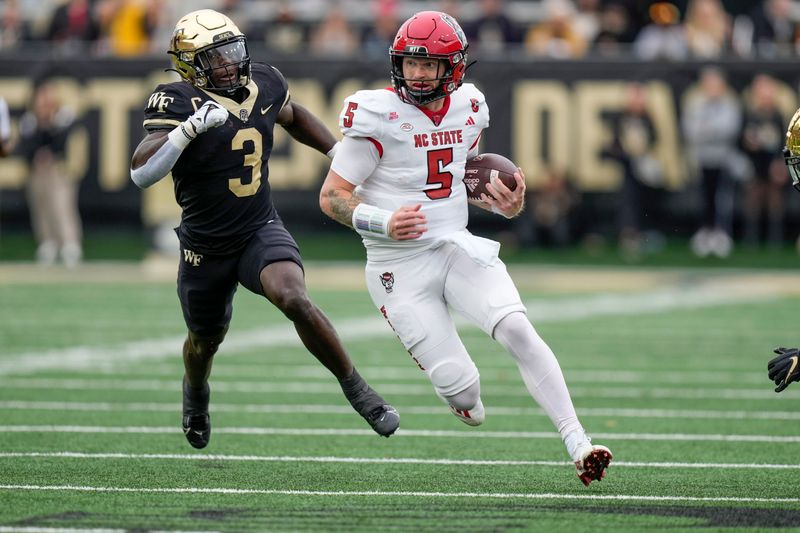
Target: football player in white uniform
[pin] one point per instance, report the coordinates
(396, 179)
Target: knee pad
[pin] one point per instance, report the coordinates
(467, 405)
(467, 399)
(453, 377)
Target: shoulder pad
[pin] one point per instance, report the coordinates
(362, 114)
(271, 80)
(477, 102)
(169, 105)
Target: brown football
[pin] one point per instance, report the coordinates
(480, 170)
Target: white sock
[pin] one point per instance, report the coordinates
(540, 370)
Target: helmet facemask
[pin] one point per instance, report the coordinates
(210, 52)
(429, 35)
(447, 83)
(791, 151)
(223, 67)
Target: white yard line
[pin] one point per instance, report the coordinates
(294, 409)
(490, 368)
(688, 296)
(661, 437)
(34, 529)
(689, 392)
(380, 460)
(396, 494)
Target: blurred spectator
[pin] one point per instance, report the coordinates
(451, 7)
(664, 37)
(283, 33)
(707, 28)
(711, 120)
(73, 27)
(766, 31)
(556, 36)
(5, 129)
(762, 140)
(634, 139)
(379, 37)
(548, 221)
(13, 29)
(587, 19)
(334, 37)
(615, 32)
(127, 25)
(52, 195)
(492, 31)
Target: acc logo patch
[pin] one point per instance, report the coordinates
(387, 280)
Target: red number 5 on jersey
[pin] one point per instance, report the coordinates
(437, 159)
(347, 121)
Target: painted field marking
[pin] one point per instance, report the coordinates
(396, 494)
(688, 296)
(422, 388)
(381, 460)
(613, 412)
(151, 430)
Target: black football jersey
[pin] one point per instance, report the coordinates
(221, 177)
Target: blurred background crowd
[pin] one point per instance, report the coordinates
(729, 65)
(551, 28)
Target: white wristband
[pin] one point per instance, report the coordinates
(370, 220)
(332, 151)
(179, 137)
(498, 212)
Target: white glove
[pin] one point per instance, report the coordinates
(209, 115)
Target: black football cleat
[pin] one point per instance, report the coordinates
(196, 421)
(382, 417)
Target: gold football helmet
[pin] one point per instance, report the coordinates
(209, 51)
(791, 152)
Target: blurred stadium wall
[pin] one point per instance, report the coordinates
(542, 113)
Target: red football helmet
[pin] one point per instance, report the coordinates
(430, 34)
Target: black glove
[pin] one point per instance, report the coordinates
(784, 369)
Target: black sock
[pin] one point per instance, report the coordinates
(352, 383)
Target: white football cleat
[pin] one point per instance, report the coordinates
(473, 417)
(590, 460)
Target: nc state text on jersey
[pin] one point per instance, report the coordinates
(437, 138)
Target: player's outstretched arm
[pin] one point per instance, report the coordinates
(338, 200)
(157, 153)
(784, 369)
(306, 128)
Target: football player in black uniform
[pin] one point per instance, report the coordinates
(213, 131)
(784, 368)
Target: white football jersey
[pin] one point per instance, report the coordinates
(421, 160)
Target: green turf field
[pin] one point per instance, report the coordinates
(666, 367)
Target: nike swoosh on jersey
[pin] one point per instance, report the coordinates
(265, 109)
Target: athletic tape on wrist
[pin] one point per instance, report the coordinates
(179, 137)
(371, 220)
(496, 211)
